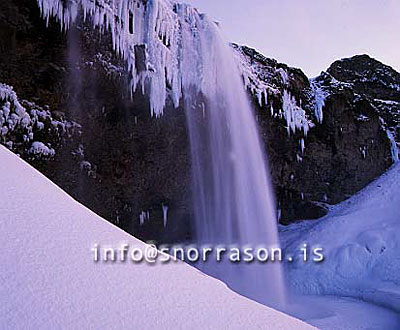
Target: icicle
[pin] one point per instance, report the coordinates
(259, 98)
(143, 217)
(363, 151)
(279, 213)
(302, 145)
(152, 24)
(299, 158)
(296, 117)
(393, 147)
(320, 96)
(165, 215)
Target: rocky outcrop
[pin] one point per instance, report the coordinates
(326, 138)
(376, 82)
(30, 131)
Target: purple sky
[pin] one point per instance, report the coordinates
(311, 34)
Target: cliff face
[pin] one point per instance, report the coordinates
(326, 138)
(376, 82)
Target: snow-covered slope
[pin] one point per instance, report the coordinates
(361, 243)
(49, 278)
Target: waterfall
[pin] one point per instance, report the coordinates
(172, 45)
(233, 200)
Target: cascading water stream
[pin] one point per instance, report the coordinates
(233, 200)
(183, 50)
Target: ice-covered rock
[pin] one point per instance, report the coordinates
(30, 130)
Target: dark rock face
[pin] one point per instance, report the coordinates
(377, 82)
(126, 165)
(341, 155)
(368, 76)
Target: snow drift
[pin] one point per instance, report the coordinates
(360, 238)
(49, 278)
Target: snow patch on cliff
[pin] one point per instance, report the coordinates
(262, 80)
(252, 73)
(21, 121)
(39, 148)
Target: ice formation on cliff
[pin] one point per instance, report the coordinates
(261, 81)
(320, 96)
(162, 42)
(296, 117)
(393, 146)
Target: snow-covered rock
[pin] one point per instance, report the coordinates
(267, 80)
(28, 129)
(50, 280)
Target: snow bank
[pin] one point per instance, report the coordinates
(361, 241)
(49, 278)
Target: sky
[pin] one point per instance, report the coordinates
(311, 34)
